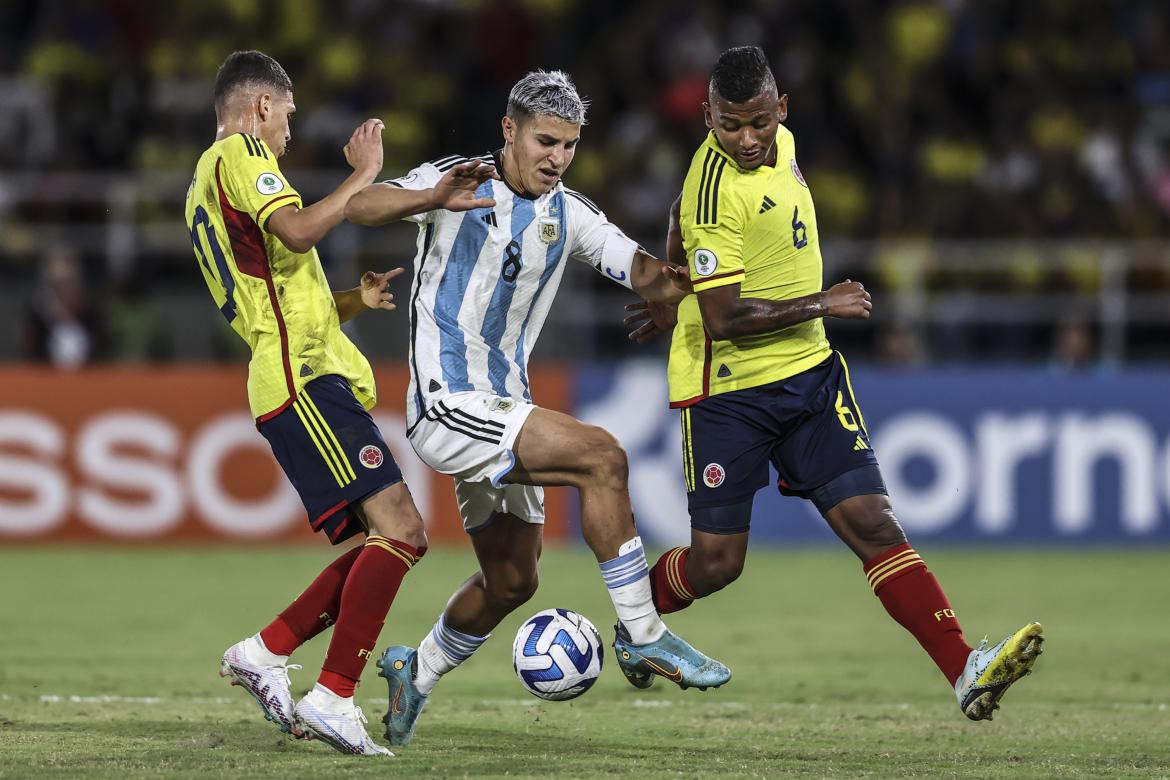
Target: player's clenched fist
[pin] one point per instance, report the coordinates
(364, 150)
(848, 300)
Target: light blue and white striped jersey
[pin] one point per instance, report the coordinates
(485, 279)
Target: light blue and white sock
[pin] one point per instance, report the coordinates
(628, 578)
(442, 650)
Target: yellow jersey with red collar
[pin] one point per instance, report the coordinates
(757, 229)
(277, 300)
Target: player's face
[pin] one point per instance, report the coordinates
(541, 149)
(276, 111)
(747, 131)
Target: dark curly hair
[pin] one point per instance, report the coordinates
(741, 73)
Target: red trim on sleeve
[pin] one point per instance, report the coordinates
(251, 258)
(705, 279)
(269, 204)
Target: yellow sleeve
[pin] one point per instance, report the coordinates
(714, 247)
(252, 179)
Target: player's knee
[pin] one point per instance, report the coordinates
(719, 570)
(606, 461)
(392, 513)
(881, 529)
(512, 591)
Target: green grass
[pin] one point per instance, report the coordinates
(825, 683)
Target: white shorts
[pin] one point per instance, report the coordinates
(470, 436)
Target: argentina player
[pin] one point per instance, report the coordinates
(485, 280)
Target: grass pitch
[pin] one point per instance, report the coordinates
(108, 662)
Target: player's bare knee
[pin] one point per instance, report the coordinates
(606, 461)
(718, 570)
(882, 530)
(511, 591)
(393, 514)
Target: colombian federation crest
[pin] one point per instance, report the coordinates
(371, 456)
(797, 174)
(550, 230)
(713, 475)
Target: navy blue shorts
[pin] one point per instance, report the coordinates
(808, 426)
(333, 454)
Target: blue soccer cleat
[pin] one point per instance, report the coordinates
(989, 672)
(398, 665)
(670, 657)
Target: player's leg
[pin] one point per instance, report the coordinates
(507, 548)
(843, 480)
(726, 442)
(556, 449)
(711, 563)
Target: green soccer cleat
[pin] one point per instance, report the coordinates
(989, 672)
(398, 665)
(670, 657)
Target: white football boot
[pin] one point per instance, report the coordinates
(337, 721)
(990, 671)
(265, 679)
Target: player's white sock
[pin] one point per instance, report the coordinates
(441, 651)
(628, 578)
(258, 653)
(329, 702)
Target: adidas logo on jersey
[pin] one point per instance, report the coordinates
(490, 218)
(767, 204)
(724, 371)
(860, 445)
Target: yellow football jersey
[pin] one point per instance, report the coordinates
(756, 229)
(279, 301)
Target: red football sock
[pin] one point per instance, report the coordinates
(668, 582)
(913, 597)
(365, 600)
(313, 611)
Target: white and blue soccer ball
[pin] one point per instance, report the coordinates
(557, 654)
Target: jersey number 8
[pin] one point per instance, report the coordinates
(511, 267)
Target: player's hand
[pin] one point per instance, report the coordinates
(375, 289)
(679, 276)
(651, 319)
(364, 150)
(848, 300)
(456, 190)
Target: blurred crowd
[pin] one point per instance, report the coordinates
(914, 119)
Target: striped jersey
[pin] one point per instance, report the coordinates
(277, 300)
(485, 280)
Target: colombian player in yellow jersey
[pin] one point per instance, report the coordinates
(309, 388)
(757, 383)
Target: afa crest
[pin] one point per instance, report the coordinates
(550, 230)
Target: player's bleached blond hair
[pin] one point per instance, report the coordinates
(547, 93)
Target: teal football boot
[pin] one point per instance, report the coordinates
(398, 665)
(670, 657)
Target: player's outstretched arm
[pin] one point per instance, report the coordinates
(301, 229)
(728, 316)
(372, 293)
(382, 203)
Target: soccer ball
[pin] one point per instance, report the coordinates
(557, 654)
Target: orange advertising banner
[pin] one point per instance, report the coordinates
(171, 454)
